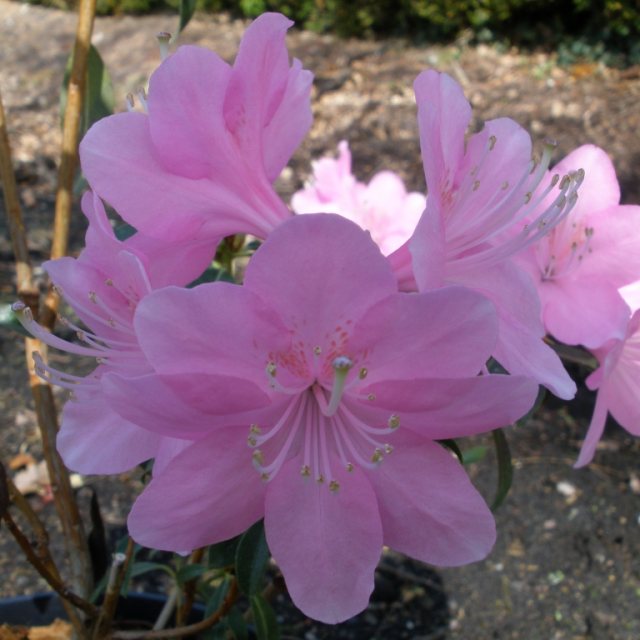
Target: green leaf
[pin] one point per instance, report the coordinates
(98, 100)
(213, 604)
(187, 9)
(189, 572)
(124, 231)
(505, 467)
(474, 454)
(264, 618)
(251, 559)
(237, 624)
(212, 274)
(223, 554)
(140, 568)
(10, 322)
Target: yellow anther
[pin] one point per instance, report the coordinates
(362, 374)
(317, 350)
(371, 397)
(388, 448)
(334, 486)
(305, 471)
(377, 456)
(394, 421)
(349, 467)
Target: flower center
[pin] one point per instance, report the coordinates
(323, 425)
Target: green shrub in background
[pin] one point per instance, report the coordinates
(607, 30)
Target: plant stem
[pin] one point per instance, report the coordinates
(112, 594)
(189, 589)
(192, 629)
(64, 499)
(24, 280)
(69, 151)
(53, 581)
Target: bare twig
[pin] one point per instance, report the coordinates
(107, 611)
(26, 289)
(53, 581)
(189, 589)
(66, 505)
(192, 629)
(70, 140)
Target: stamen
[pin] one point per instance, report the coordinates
(341, 365)
(163, 39)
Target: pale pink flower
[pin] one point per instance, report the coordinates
(383, 207)
(617, 380)
(579, 266)
(478, 190)
(214, 139)
(335, 448)
(103, 286)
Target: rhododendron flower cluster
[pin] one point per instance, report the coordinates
(316, 393)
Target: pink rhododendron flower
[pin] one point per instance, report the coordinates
(579, 266)
(103, 286)
(617, 380)
(214, 139)
(383, 207)
(477, 190)
(335, 448)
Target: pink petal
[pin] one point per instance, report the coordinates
(94, 439)
(586, 312)
(429, 508)
(428, 247)
(217, 328)
(445, 333)
(453, 408)
(344, 273)
(264, 92)
(122, 165)
(182, 406)
(615, 245)
(208, 493)
(520, 349)
(290, 123)
(443, 117)
(326, 544)
(186, 122)
(596, 428)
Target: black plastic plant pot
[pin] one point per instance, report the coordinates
(43, 608)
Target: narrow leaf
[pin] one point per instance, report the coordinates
(251, 559)
(474, 454)
(264, 618)
(237, 624)
(187, 9)
(189, 572)
(223, 554)
(505, 467)
(98, 100)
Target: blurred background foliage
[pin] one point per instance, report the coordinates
(600, 30)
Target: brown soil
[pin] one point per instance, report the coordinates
(567, 561)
